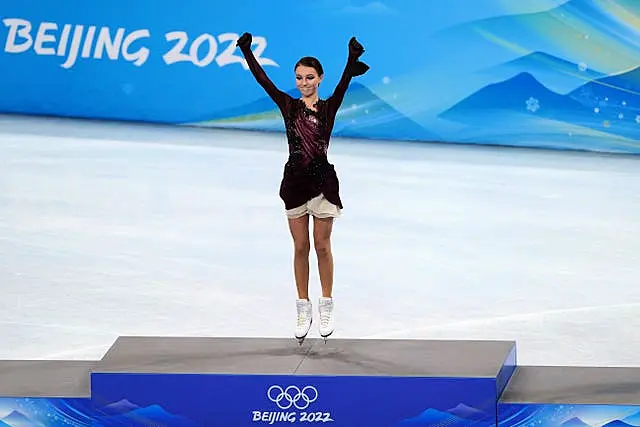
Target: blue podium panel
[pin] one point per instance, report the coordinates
(571, 397)
(45, 393)
(255, 381)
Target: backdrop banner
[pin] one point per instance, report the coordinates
(541, 73)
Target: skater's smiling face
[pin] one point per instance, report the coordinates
(309, 74)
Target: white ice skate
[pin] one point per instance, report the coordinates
(305, 315)
(326, 317)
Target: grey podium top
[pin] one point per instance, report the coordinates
(579, 385)
(282, 356)
(45, 378)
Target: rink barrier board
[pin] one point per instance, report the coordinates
(184, 381)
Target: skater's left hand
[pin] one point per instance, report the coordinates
(355, 48)
(358, 68)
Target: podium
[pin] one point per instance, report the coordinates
(257, 381)
(175, 381)
(211, 382)
(571, 397)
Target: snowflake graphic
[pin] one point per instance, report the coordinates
(533, 104)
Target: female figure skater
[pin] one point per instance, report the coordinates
(309, 185)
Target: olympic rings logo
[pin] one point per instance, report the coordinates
(292, 396)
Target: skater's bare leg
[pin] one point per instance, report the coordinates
(299, 228)
(322, 228)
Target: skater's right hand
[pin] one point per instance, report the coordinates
(244, 42)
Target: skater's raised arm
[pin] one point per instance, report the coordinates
(352, 69)
(278, 96)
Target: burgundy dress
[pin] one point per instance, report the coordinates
(307, 172)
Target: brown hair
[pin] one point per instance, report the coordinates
(310, 61)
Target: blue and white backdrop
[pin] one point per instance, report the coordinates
(541, 73)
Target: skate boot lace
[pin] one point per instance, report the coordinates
(302, 318)
(325, 317)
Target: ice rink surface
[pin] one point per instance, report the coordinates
(117, 229)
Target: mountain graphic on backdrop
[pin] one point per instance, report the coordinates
(545, 61)
(555, 71)
(462, 415)
(431, 417)
(361, 114)
(608, 104)
(120, 407)
(17, 419)
(467, 412)
(618, 90)
(617, 423)
(520, 93)
(574, 422)
(124, 413)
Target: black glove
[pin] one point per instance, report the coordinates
(244, 42)
(355, 48)
(358, 68)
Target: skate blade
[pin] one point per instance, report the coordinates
(326, 337)
(301, 339)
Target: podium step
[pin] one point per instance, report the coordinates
(276, 356)
(36, 378)
(248, 381)
(571, 397)
(406, 358)
(182, 355)
(45, 393)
